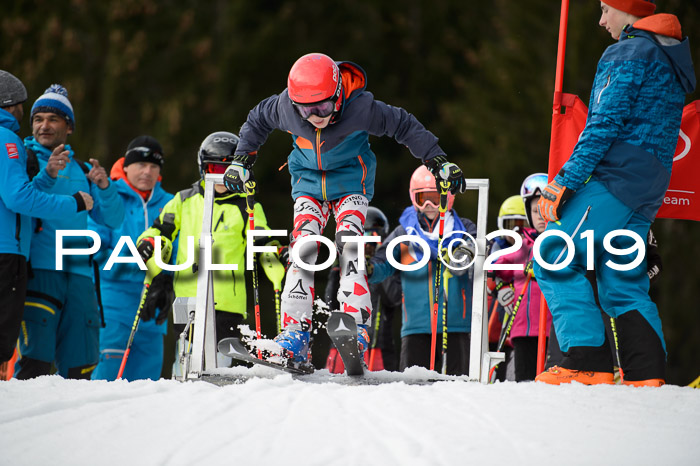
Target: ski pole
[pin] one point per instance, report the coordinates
(505, 330)
(151, 271)
(446, 280)
(613, 326)
(250, 208)
(511, 318)
(444, 186)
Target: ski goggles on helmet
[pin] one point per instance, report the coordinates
(216, 168)
(427, 197)
(533, 183)
(321, 109)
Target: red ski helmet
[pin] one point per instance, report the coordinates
(423, 189)
(315, 78)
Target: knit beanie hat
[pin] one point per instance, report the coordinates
(144, 149)
(639, 8)
(12, 91)
(55, 100)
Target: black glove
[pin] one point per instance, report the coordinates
(236, 176)
(239, 172)
(159, 295)
(443, 170)
(145, 247)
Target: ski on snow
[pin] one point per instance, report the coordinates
(342, 330)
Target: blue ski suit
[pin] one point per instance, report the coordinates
(61, 317)
(121, 288)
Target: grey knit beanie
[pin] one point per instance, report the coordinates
(12, 91)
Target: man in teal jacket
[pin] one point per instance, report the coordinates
(137, 178)
(61, 316)
(19, 201)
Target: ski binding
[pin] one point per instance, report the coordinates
(234, 348)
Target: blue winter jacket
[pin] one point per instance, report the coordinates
(418, 288)
(336, 161)
(121, 279)
(634, 117)
(20, 198)
(108, 210)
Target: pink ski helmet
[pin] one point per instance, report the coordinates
(424, 190)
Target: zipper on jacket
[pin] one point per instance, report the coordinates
(320, 166)
(464, 304)
(364, 174)
(318, 148)
(602, 90)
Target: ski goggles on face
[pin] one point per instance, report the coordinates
(321, 109)
(512, 223)
(427, 197)
(532, 183)
(216, 168)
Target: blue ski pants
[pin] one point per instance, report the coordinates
(61, 322)
(577, 319)
(145, 357)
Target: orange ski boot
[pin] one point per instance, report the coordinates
(644, 383)
(558, 375)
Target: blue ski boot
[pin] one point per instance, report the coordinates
(362, 340)
(295, 344)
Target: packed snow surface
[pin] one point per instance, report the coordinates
(273, 418)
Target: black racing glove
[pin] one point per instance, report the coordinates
(443, 170)
(239, 172)
(145, 247)
(159, 296)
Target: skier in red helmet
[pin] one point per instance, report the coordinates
(330, 116)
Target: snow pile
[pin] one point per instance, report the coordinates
(275, 419)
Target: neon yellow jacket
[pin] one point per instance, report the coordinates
(182, 217)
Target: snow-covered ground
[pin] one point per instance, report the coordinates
(275, 419)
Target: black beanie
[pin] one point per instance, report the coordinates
(144, 149)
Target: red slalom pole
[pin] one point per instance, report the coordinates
(250, 208)
(556, 110)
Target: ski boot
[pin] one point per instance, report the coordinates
(362, 340)
(294, 344)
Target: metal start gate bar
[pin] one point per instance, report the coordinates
(202, 357)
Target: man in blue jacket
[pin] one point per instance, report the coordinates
(137, 178)
(620, 168)
(19, 200)
(61, 317)
(330, 116)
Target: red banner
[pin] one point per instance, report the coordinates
(682, 200)
(566, 129)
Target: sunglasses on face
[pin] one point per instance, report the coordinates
(321, 109)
